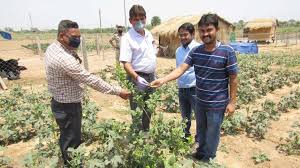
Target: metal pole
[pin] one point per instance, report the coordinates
(31, 27)
(125, 15)
(30, 19)
(101, 37)
(100, 21)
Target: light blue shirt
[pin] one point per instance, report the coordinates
(187, 80)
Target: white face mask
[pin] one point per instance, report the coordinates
(139, 25)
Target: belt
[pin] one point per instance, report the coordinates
(190, 88)
(145, 74)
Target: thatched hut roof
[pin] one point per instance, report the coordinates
(261, 23)
(171, 26)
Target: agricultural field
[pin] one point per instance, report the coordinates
(264, 131)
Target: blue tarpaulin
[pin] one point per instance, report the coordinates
(245, 48)
(5, 35)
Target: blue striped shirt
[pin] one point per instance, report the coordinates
(187, 80)
(212, 71)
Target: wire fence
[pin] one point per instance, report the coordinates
(278, 39)
(93, 47)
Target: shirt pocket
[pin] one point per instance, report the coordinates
(136, 49)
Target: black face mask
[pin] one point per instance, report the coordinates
(74, 42)
(120, 31)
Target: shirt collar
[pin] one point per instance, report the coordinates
(138, 34)
(190, 46)
(73, 53)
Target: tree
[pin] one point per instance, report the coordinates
(155, 21)
(283, 23)
(34, 29)
(8, 29)
(292, 22)
(239, 25)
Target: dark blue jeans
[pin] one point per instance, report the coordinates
(187, 104)
(208, 123)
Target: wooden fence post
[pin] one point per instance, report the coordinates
(296, 38)
(84, 54)
(39, 48)
(97, 44)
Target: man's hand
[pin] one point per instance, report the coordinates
(124, 94)
(141, 83)
(230, 109)
(157, 83)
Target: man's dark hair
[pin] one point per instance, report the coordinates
(136, 10)
(188, 27)
(208, 19)
(64, 25)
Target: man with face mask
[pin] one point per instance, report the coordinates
(138, 54)
(115, 41)
(187, 82)
(64, 76)
(216, 85)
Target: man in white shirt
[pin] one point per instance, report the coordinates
(138, 54)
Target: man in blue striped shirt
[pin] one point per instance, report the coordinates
(215, 69)
(186, 82)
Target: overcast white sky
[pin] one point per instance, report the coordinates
(46, 14)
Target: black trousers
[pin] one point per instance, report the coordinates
(146, 116)
(68, 117)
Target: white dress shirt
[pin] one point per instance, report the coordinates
(139, 50)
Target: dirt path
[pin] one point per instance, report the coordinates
(17, 152)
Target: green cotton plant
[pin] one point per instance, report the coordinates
(290, 101)
(22, 110)
(233, 125)
(78, 156)
(291, 145)
(252, 67)
(4, 160)
(246, 93)
(253, 83)
(107, 143)
(170, 133)
(89, 116)
(112, 145)
(170, 102)
(34, 159)
(258, 123)
(165, 137)
(260, 158)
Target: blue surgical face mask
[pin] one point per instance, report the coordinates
(139, 25)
